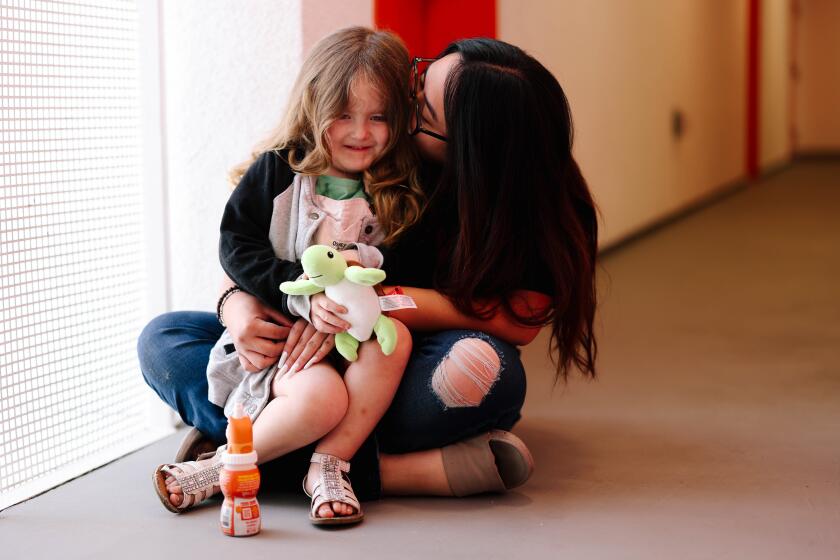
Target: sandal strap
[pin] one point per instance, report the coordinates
(332, 484)
(343, 465)
(199, 478)
(197, 482)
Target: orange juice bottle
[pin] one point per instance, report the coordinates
(240, 478)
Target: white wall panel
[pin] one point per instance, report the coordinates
(229, 67)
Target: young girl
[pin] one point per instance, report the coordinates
(341, 149)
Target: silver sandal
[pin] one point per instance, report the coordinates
(332, 486)
(197, 482)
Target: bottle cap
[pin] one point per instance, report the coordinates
(239, 458)
(240, 432)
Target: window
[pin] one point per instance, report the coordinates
(75, 246)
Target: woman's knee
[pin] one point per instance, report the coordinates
(173, 350)
(439, 402)
(151, 348)
(466, 375)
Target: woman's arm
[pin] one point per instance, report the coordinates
(258, 331)
(435, 312)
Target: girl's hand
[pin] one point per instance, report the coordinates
(323, 311)
(258, 331)
(305, 346)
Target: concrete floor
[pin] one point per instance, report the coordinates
(712, 432)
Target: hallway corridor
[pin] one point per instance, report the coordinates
(713, 431)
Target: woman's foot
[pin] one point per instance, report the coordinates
(495, 461)
(194, 444)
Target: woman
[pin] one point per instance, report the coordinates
(506, 245)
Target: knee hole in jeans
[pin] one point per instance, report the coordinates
(466, 375)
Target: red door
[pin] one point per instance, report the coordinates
(427, 26)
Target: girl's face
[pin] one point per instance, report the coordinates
(430, 99)
(359, 135)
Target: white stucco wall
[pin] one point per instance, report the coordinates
(228, 69)
(624, 67)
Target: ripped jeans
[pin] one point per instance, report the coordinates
(457, 384)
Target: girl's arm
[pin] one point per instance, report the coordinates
(245, 251)
(435, 312)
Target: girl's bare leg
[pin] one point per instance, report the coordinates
(304, 406)
(371, 383)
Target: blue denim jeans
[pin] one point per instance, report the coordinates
(174, 349)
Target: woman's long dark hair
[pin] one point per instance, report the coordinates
(518, 198)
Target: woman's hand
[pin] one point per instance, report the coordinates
(305, 346)
(258, 331)
(323, 312)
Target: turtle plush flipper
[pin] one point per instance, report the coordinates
(347, 346)
(300, 288)
(364, 276)
(386, 334)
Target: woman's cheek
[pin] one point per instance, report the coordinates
(430, 148)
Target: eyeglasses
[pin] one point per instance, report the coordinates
(418, 79)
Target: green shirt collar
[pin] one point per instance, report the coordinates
(338, 188)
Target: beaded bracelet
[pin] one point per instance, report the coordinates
(222, 300)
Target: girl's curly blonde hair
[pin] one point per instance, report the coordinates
(320, 94)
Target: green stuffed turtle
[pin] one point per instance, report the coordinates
(351, 287)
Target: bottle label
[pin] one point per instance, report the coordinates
(240, 517)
